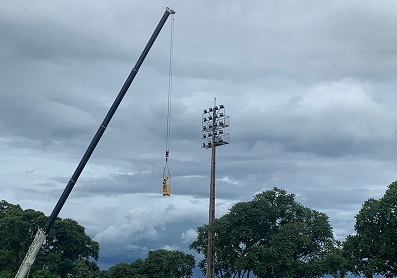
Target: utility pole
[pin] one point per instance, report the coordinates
(214, 121)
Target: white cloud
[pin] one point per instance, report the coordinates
(170, 248)
(189, 235)
(343, 109)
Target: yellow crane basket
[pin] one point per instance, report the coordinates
(166, 186)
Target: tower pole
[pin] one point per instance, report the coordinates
(210, 251)
(214, 124)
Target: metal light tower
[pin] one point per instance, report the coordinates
(214, 122)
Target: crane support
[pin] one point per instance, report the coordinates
(30, 257)
(42, 233)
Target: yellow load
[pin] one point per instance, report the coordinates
(166, 186)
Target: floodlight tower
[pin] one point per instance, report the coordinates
(214, 123)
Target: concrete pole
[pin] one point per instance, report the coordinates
(210, 251)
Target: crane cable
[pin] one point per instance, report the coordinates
(170, 67)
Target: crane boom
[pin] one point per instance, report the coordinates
(42, 233)
(30, 256)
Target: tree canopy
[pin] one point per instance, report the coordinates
(373, 250)
(67, 243)
(270, 236)
(70, 252)
(158, 264)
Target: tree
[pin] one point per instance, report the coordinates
(122, 270)
(373, 250)
(66, 244)
(139, 267)
(86, 269)
(159, 264)
(335, 262)
(166, 264)
(17, 229)
(43, 273)
(6, 274)
(270, 236)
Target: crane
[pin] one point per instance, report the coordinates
(43, 232)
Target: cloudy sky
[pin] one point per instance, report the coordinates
(309, 86)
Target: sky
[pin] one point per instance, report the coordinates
(309, 87)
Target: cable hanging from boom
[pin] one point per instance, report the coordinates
(41, 234)
(166, 173)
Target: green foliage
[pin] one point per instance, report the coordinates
(6, 274)
(43, 273)
(17, 229)
(163, 264)
(65, 246)
(85, 269)
(373, 250)
(270, 236)
(335, 263)
(120, 270)
(158, 264)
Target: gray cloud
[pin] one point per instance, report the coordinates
(309, 88)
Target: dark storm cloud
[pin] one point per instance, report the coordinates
(51, 43)
(44, 105)
(149, 121)
(287, 41)
(37, 120)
